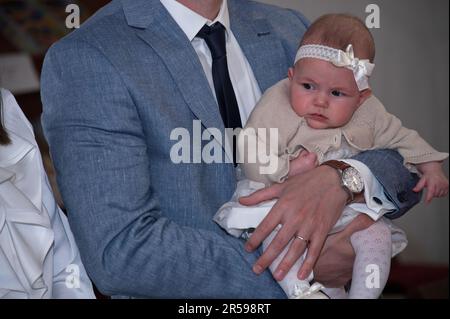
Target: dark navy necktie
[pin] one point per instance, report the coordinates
(214, 37)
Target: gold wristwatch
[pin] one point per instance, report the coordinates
(351, 179)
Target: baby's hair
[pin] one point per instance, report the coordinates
(340, 30)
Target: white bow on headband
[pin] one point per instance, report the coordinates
(362, 69)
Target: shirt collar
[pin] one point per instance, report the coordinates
(191, 22)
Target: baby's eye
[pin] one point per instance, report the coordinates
(307, 86)
(337, 93)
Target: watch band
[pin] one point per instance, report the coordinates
(337, 164)
(340, 167)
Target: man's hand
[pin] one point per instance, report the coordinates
(308, 206)
(335, 264)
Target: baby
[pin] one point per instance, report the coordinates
(325, 111)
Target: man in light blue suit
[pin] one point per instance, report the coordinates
(114, 90)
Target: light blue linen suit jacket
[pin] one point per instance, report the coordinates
(112, 93)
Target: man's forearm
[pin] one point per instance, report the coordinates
(127, 244)
(164, 260)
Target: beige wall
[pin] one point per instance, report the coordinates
(411, 78)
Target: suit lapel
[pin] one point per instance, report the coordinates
(166, 38)
(260, 45)
(155, 26)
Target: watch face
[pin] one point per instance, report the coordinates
(352, 179)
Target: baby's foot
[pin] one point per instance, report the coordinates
(304, 162)
(304, 291)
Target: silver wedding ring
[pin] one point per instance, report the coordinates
(302, 238)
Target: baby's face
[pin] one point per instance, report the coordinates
(325, 95)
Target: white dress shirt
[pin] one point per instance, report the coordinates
(247, 89)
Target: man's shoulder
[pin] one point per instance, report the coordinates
(103, 26)
(287, 25)
(273, 13)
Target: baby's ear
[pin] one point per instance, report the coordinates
(291, 73)
(364, 95)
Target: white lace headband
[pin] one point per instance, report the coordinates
(362, 69)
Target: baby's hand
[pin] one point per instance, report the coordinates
(433, 179)
(304, 162)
